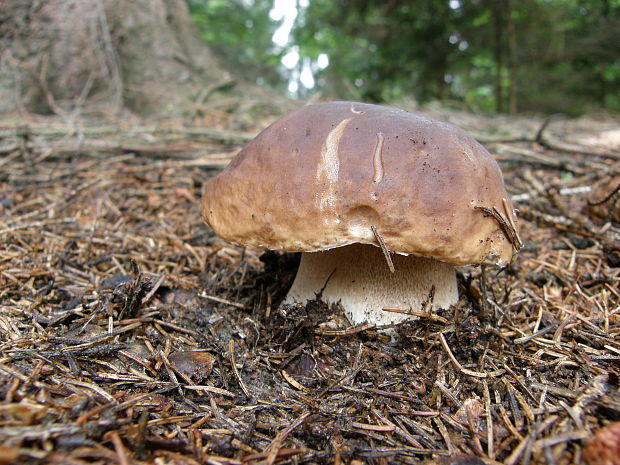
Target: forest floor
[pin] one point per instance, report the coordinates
(130, 334)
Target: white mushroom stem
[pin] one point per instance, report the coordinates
(358, 277)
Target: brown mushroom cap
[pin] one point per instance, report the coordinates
(322, 176)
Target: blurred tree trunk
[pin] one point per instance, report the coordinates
(512, 59)
(498, 51)
(57, 56)
(504, 50)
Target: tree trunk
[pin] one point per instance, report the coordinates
(498, 47)
(145, 56)
(512, 59)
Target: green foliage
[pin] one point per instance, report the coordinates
(564, 54)
(240, 32)
(541, 55)
(377, 47)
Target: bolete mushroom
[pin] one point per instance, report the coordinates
(382, 203)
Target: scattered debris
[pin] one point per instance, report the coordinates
(130, 334)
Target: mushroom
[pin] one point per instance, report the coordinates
(382, 203)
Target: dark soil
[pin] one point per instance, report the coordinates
(130, 334)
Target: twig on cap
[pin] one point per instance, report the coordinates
(384, 249)
(507, 227)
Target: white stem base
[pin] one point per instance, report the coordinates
(363, 284)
